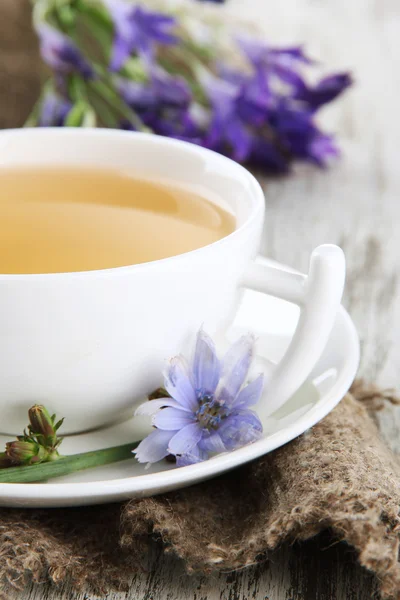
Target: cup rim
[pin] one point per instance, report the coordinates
(256, 212)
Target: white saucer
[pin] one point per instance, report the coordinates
(272, 321)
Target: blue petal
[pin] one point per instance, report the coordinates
(240, 138)
(178, 383)
(250, 394)
(235, 367)
(60, 53)
(139, 95)
(54, 110)
(321, 148)
(152, 406)
(240, 428)
(173, 419)
(206, 366)
(185, 440)
(120, 53)
(154, 447)
(326, 90)
(265, 154)
(296, 53)
(212, 443)
(170, 90)
(194, 456)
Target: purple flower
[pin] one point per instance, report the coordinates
(162, 90)
(137, 30)
(163, 104)
(326, 90)
(321, 149)
(235, 106)
(266, 155)
(208, 411)
(54, 111)
(138, 95)
(226, 127)
(282, 63)
(297, 135)
(60, 53)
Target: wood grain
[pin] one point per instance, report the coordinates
(355, 204)
(20, 64)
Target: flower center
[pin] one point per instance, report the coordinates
(210, 412)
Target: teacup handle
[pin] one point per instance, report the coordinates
(318, 295)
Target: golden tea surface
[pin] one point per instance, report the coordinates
(70, 219)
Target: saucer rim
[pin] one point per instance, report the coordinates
(102, 491)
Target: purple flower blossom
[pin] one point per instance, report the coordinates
(326, 90)
(137, 30)
(282, 63)
(237, 103)
(60, 53)
(162, 90)
(163, 104)
(208, 409)
(226, 127)
(54, 111)
(299, 138)
(261, 114)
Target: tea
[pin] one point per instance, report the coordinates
(71, 219)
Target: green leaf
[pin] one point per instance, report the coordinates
(75, 115)
(89, 118)
(58, 424)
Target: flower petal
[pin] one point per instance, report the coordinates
(240, 138)
(240, 428)
(152, 406)
(173, 419)
(186, 439)
(235, 368)
(212, 443)
(194, 456)
(178, 383)
(154, 447)
(206, 366)
(250, 394)
(326, 90)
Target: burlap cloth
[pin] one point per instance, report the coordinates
(339, 475)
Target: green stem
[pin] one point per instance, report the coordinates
(67, 464)
(113, 99)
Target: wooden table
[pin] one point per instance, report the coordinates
(356, 204)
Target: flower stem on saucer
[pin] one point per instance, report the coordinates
(65, 465)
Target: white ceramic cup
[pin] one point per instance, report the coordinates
(88, 344)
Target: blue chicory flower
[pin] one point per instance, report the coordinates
(208, 410)
(60, 53)
(53, 111)
(137, 30)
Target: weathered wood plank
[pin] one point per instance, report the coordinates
(317, 570)
(356, 204)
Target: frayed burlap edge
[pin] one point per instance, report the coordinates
(338, 475)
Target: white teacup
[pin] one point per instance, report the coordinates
(88, 344)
